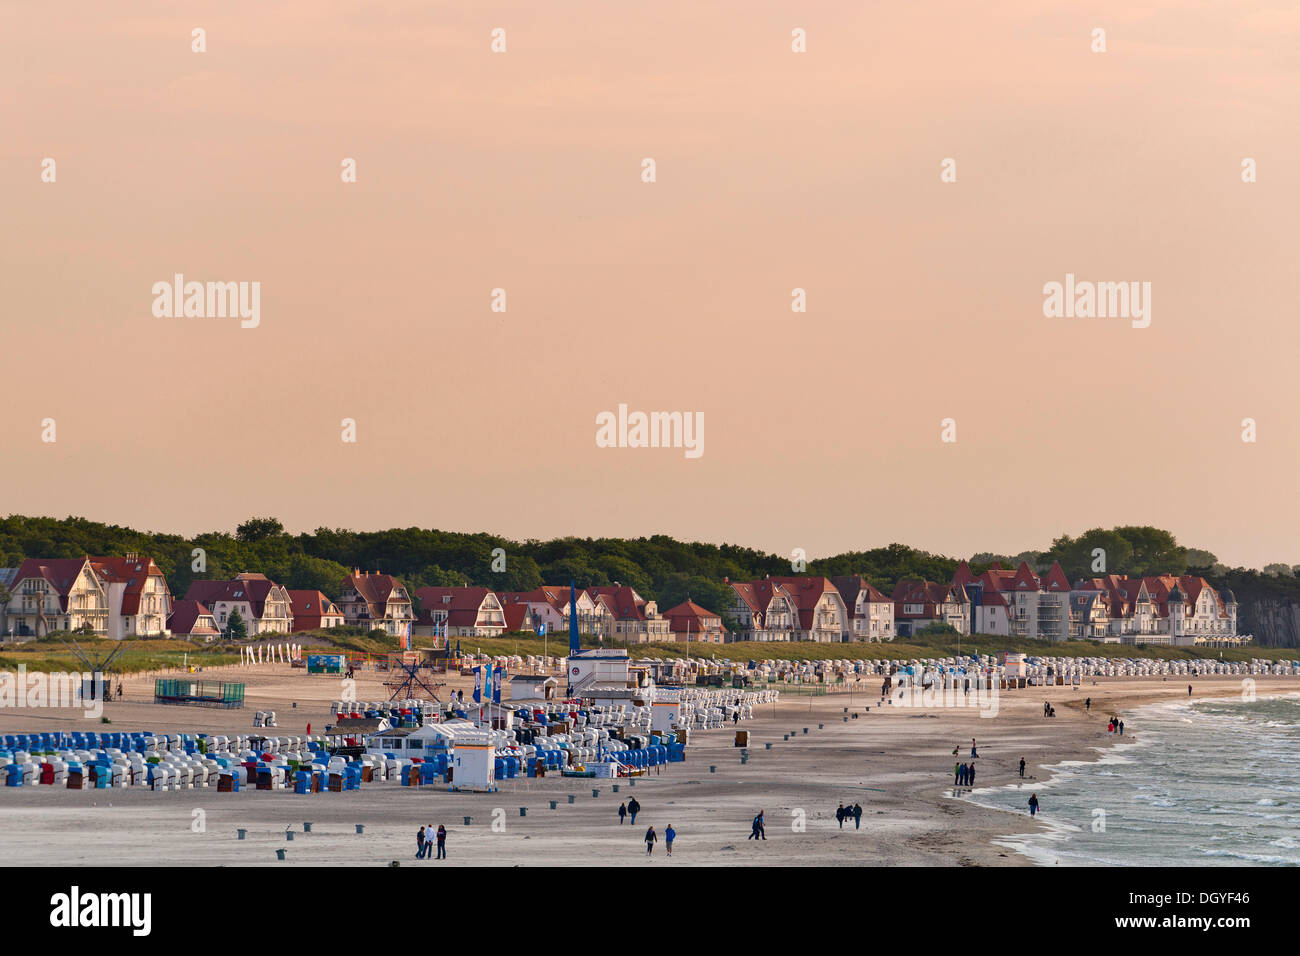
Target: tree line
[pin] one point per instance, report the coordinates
(660, 567)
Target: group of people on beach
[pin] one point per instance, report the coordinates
(1115, 724)
(1048, 709)
(963, 775)
(631, 807)
(853, 813)
(425, 839)
(757, 830)
(629, 810)
(651, 838)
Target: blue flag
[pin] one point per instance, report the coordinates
(574, 644)
(478, 685)
(496, 684)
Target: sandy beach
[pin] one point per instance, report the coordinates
(896, 762)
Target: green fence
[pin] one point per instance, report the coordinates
(198, 693)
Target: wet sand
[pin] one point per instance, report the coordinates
(896, 762)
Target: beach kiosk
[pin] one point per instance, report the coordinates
(1015, 669)
(473, 760)
(533, 687)
(665, 709)
(605, 666)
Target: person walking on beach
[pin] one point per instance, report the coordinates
(633, 808)
(1033, 804)
(1022, 766)
(857, 816)
(839, 815)
(669, 836)
(956, 774)
(1189, 690)
(1121, 728)
(758, 832)
(442, 842)
(419, 844)
(650, 839)
(973, 751)
(622, 812)
(970, 775)
(1087, 704)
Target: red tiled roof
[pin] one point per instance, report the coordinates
(553, 595)
(461, 604)
(185, 619)
(374, 589)
(852, 585)
(691, 617)
(1055, 579)
(926, 593)
(758, 595)
(624, 602)
(133, 572)
(61, 573)
(253, 588)
(963, 575)
(309, 608)
(807, 591)
(516, 615)
(1024, 579)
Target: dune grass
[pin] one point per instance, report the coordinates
(942, 645)
(50, 655)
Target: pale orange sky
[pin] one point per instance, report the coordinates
(775, 170)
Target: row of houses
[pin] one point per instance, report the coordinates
(616, 612)
(1157, 609)
(128, 597)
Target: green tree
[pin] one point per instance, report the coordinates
(307, 573)
(236, 630)
(259, 529)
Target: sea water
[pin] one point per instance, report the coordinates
(1215, 782)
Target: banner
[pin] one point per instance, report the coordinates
(478, 684)
(496, 684)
